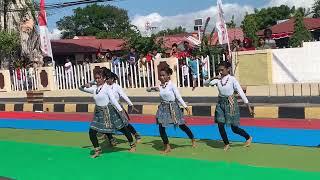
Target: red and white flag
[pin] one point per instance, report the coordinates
(44, 33)
(221, 25)
(222, 29)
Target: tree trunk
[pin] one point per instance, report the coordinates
(24, 22)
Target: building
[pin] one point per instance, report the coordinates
(82, 47)
(282, 31)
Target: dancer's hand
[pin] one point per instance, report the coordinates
(188, 111)
(87, 85)
(216, 77)
(250, 110)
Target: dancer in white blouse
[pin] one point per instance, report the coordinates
(227, 109)
(108, 116)
(118, 93)
(169, 111)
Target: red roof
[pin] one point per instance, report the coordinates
(67, 46)
(177, 38)
(84, 37)
(233, 33)
(287, 27)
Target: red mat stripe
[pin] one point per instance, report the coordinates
(149, 119)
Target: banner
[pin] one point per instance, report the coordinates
(44, 33)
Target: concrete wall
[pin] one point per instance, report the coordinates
(296, 65)
(254, 67)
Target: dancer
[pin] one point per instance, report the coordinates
(118, 93)
(169, 111)
(107, 118)
(227, 109)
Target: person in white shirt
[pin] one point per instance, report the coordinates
(68, 71)
(227, 109)
(108, 116)
(118, 93)
(169, 111)
(185, 72)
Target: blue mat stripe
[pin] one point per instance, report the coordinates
(295, 137)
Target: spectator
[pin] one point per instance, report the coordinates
(204, 67)
(68, 71)
(149, 57)
(174, 50)
(187, 49)
(194, 66)
(132, 56)
(269, 41)
(235, 46)
(185, 72)
(116, 61)
(108, 56)
(262, 45)
(156, 55)
(247, 45)
(100, 57)
(132, 60)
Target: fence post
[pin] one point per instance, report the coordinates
(46, 78)
(5, 82)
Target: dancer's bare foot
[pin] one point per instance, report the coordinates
(97, 152)
(167, 149)
(226, 147)
(193, 142)
(132, 147)
(248, 142)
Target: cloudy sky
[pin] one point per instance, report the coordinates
(171, 13)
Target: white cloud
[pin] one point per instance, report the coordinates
(297, 3)
(55, 34)
(187, 20)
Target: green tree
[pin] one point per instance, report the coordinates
(176, 30)
(144, 44)
(250, 27)
(231, 24)
(301, 33)
(267, 17)
(104, 21)
(304, 11)
(9, 46)
(264, 18)
(316, 9)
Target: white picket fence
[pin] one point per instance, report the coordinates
(24, 79)
(130, 76)
(74, 78)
